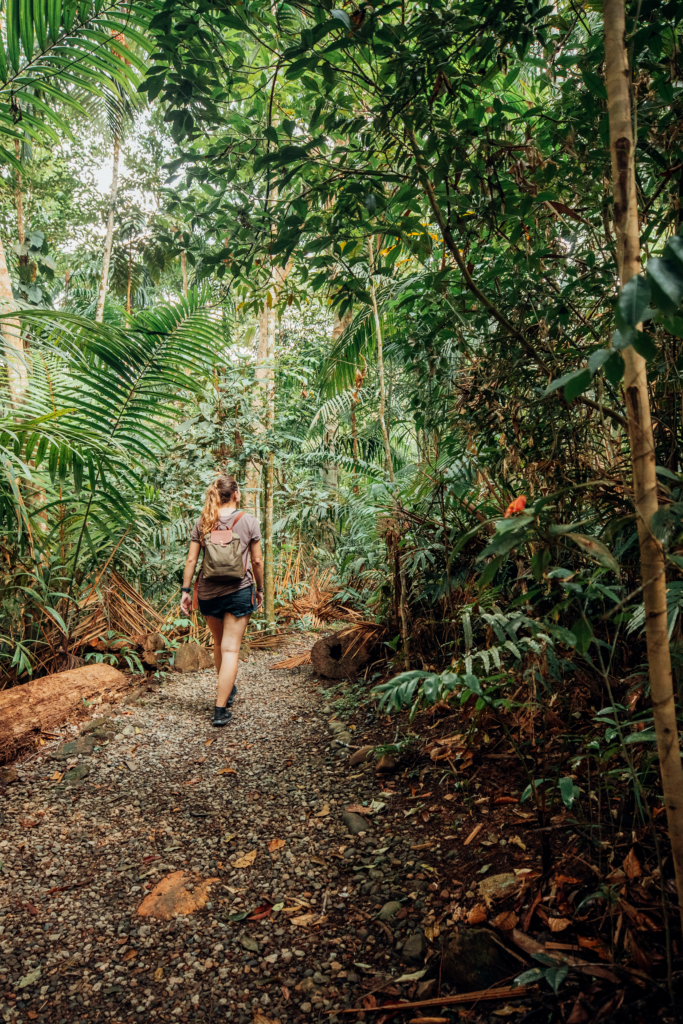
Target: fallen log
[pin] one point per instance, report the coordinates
(43, 704)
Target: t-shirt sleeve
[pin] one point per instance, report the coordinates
(195, 535)
(255, 531)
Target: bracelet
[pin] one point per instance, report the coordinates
(259, 591)
(186, 590)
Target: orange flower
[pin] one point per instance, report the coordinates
(518, 505)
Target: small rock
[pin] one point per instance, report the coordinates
(414, 949)
(360, 755)
(75, 774)
(498, 887)
(425, 989)
(128, 730)
(81, 745)
(97, 723)
(192, 658)
(475, 959)
(388, 910)
(355, 823)
(305, 1007)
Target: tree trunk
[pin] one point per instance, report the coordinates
(109, 237)
(652, 560)
(11, 331)
(380, 365)
(268, 574)
(19, 199)
(129, 282)
(360, 376)
(183, 267)
(331, 426)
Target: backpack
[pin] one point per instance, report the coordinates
(223, 555)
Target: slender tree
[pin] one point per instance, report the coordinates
(109, 237)
(652, 559)
(380, 363)
(11, 330)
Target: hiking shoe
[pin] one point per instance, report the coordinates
(221, 716)
(233, 694)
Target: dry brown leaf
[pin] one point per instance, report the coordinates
(303, 920)
(285, 992)
(169, 898)
(56, 777)
(208, 743)
(432, 931)
(558, 924)
(632, 865)
(259, 1018)
(129, 955)
(517, 842)
(159, 974)
(357, 809)
(477, 914)
(276, 844)
(226, 771)
(505, 921)
(247, 860)
(323, 812)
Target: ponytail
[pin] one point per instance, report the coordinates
(220, 492)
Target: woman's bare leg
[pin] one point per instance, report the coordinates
(233, 631)
(216, 627)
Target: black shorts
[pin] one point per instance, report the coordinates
(239, 603)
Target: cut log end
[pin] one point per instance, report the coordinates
(340, 655)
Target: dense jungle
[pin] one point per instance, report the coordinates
(411, 271)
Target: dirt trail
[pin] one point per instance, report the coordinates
(80, 855)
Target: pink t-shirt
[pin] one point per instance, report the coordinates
(247, 529)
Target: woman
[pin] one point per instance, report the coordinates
(228, 603)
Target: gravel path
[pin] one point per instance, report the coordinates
(81, 852)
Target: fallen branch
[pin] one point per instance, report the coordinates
(510, 992)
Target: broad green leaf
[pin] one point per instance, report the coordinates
(644, 345)
(583, 633)
(632, 303)
(666, 284)
(577, 384)
(569, 792)
(596, 549)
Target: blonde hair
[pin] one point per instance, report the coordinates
(219, 493)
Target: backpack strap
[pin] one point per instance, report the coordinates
(229, 529)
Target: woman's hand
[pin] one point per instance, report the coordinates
(259, 599)
(186, 604)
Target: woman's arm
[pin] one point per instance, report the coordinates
(257, 569)
(190, 565)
